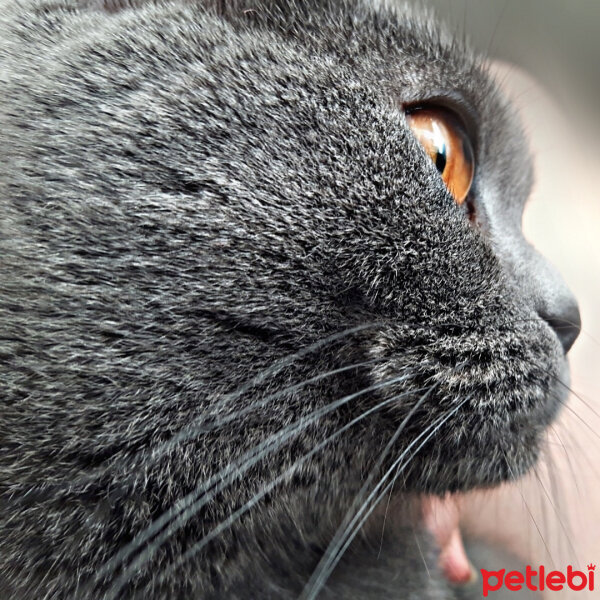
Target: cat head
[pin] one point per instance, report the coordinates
(322, 211)
(224, 227)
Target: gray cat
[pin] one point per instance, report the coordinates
(263, 289)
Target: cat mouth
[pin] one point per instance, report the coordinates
(441, 519)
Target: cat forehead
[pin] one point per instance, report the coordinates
(404, 50)
(400, 53)
(412, 58)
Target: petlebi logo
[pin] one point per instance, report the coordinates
(540, 580)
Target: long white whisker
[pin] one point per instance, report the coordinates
(284, 362)
(257, 497)
(190, 504)
(367, 483)
(193, 430)
(336, 550)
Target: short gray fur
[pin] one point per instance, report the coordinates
(190, 191)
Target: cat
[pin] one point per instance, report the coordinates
(249, 327)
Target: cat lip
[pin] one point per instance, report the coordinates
(441, 519)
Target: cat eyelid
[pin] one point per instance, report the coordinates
(464, 111)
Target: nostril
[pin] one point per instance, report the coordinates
(566, 324)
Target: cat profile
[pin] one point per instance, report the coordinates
(240, 308)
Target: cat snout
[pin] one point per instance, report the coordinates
(554, 301)
(543, 288)
(565, 320)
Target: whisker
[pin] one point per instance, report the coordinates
(335, 550)
(375, 468)
(552, 468)
(257, 497)
(420, 550)
(190, 504)
(528, 509)
(543, 511)
(556, 512)
(579, 418)
(193, 430)
(284, 362)
(567, 457)
(385, 514)
(574, 393)
(202, 423)
(581, 452)
(386, 450)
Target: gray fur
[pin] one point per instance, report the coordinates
(189, 192)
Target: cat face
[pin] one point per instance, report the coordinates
(223, 234)
(357, 227)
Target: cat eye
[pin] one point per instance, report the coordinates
(446, 142)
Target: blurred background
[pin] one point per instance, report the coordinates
(546, 54)
(557, 41)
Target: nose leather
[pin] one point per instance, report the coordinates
(540, 284)
(566, 322)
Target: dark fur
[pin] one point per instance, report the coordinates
(190, 192)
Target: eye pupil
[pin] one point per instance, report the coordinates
(440, 159)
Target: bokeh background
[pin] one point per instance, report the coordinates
(546, 54)
(557, 41)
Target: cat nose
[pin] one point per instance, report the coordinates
(551, 298)
(554, 301)
(541, 284)
(566, 322)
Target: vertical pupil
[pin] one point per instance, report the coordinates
(440, 159)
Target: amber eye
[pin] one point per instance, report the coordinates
(442, 135)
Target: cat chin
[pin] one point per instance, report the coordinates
(493, 455)
(440, 511)
(440, 489)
